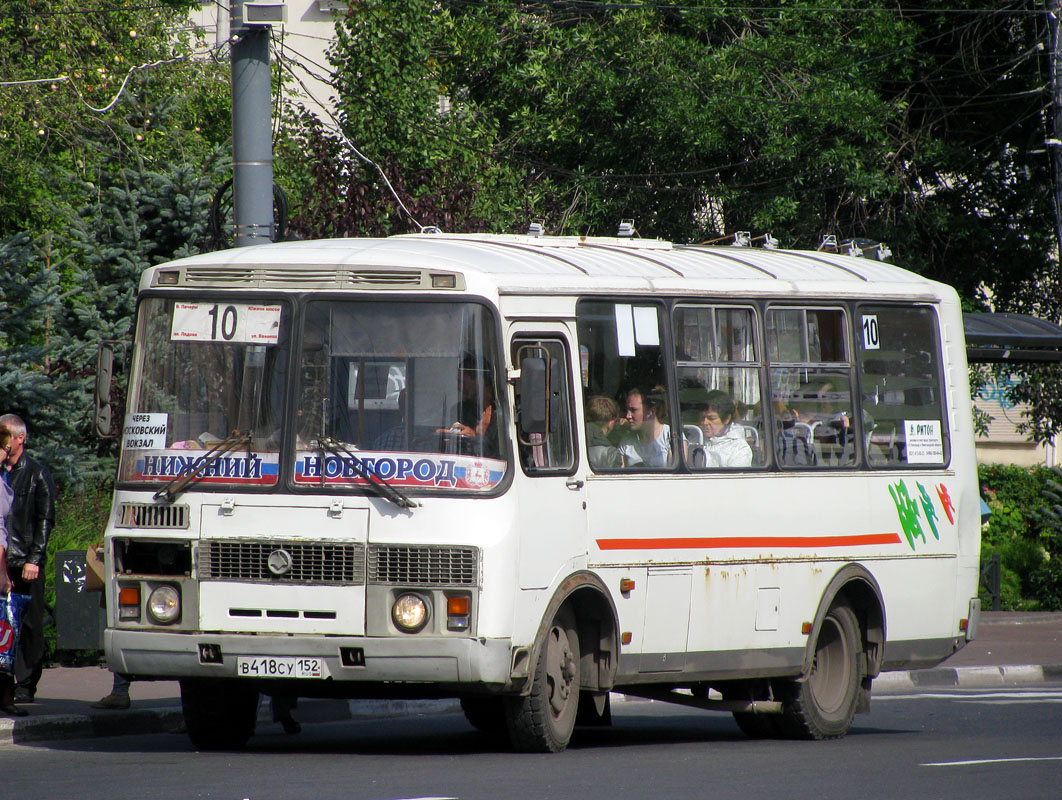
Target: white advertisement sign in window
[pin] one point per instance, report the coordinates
(925, 445)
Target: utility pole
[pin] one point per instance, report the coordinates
(252, 123)
(1054, 143)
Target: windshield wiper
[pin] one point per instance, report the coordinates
(382, 487)
(169, 492)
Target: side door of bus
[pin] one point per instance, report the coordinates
(550, 480)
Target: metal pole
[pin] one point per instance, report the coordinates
(252, 132)
(1054, 144)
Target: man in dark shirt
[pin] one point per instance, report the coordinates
(29, 525)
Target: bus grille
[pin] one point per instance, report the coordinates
(321, 277)
(151, 515)
(423, 566)
(304, 562)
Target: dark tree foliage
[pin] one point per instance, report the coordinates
(858, 119)
(55, 310)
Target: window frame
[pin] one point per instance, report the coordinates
(518, 340)
(858, 308)
(757, 364)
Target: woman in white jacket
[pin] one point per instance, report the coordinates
(724, 442)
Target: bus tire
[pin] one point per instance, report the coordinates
(753, 725)
(543, 720)
(822, 705)
(219, 714)
(485, 714)
(757, 726)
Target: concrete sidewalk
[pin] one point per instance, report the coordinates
(1012, 648)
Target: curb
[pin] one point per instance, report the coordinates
(967, 677)
(53, 727)
(56, 727)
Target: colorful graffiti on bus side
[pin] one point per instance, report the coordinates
(920, 511)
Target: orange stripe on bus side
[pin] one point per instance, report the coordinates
(721, 542)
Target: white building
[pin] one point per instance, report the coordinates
(299, 45)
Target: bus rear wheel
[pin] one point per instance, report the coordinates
(543, 721)
(822, 705)
(752, 724)
(219, 714)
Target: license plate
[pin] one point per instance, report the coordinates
(281, 667)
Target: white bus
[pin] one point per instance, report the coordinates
(527, 472)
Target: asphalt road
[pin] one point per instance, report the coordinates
(985, 744)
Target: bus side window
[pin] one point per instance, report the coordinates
(811, 388)
(899, 382)
(719, 380)
(621, 358)
(551, 451)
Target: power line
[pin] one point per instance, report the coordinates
(121, 90)
(338, 128)
(594, 5)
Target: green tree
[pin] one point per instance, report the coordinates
(909, 126)
(106, 169)
(54, 310)
(82, 93)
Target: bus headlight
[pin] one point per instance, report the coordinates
(164, 604)
(410, 612)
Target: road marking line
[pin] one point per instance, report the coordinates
(968, 695)
(989, 761)
(1030, 701)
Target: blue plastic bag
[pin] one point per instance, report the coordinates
(12, 607)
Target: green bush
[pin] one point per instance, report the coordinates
(1023, 557)
(1049, 515)
(1025, 530)
(1014, 494)
(1046, 585)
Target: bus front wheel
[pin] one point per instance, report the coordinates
(485, 714)
(543, 721)
(822, 705)
(218, 714)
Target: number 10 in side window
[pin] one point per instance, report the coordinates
(870, 332)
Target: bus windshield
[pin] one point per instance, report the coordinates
(404, 394)
(409, 389)
(205, 372)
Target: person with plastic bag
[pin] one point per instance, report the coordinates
(29, 524)
(10, 607)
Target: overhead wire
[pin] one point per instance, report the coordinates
(121, 89)
(338, 129)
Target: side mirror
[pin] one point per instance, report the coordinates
(534, 395)
(104, 375)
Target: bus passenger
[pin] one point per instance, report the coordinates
(724, 441)
(793, 448)
(601, 414)
(648, 441)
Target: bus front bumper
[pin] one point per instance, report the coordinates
(449, 662)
